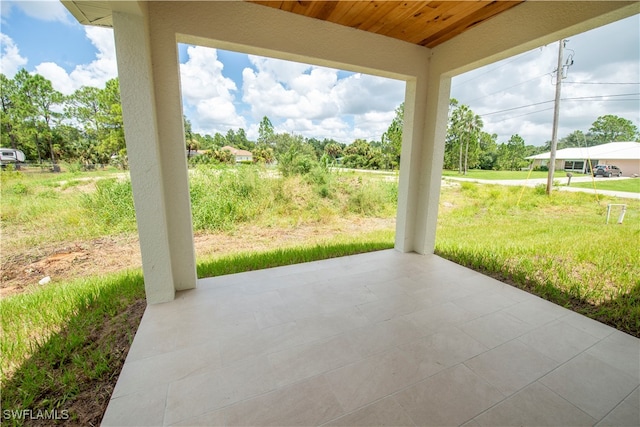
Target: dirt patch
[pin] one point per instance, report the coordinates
(22, 270)
(61, 262)
(88, 187)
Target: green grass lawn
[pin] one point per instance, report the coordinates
(631, 185)
(497, 175)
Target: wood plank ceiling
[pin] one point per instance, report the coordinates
(426, 23)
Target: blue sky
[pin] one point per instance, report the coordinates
(223, 90)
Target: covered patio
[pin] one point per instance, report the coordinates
(397, 337)
(382, 338)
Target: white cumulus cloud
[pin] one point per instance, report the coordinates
(314, 102)
(44, 10)
(282, 90)
(363, 93)
(371, 125)
(208, 94)
(96, 73)
(11, 61)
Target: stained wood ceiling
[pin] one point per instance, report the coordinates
(426, 23)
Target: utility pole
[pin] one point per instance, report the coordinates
(556, 115)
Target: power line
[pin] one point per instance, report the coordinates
(602, 83)
(515, 108)
(551, 108)
(591, 98)
(522, 115)
(496, 68)
(506, 88)
(609, 100)
(600, 96)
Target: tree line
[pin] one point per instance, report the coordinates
(86, 128)
(272, 146)
(468, 146)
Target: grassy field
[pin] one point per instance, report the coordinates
(631, 185)
(497, 175)
(39, 207)
(63, 344)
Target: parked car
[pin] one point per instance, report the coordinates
(607, 170)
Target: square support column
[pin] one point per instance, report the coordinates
(164, 219)
(423, 137)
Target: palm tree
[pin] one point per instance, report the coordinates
(466, 125)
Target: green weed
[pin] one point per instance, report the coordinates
(238, 263)
(111, 205)
(223, 198)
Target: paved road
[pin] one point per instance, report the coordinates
(562, 181)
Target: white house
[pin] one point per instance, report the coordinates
(240, 155)
(423, 43)
(625, 155)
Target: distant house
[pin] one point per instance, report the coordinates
(625, 155)
(241, 155)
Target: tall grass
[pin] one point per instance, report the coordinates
(223, 198)
(111, 206)
(45, 208)
(39, 208)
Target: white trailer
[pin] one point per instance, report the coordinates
(11, 155)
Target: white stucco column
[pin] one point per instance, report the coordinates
(172, 151)
(165, 268)
(425, 123)
(435, 132)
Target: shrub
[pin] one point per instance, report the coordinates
(373, 198)
(19, 189)
(221, 198)
(293, 163)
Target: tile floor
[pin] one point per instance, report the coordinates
(375, 339)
